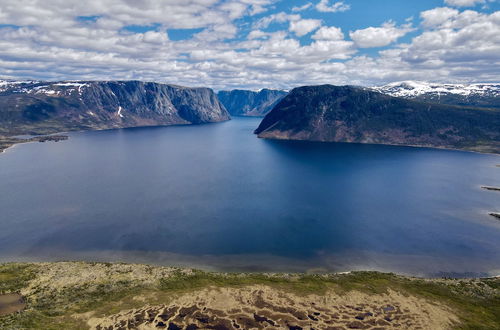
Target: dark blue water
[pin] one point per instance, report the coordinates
(215, 196)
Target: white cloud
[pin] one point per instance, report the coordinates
(339, 6)
(304, 26)
(52, 43)
(302, 8)
(437, 16)
(463, 3)
(329, 33)
(462, 48)
(256, 34)
(379, 36)
(281, 17)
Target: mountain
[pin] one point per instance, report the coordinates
(34, 107)
(476, 95)
(250, 103)
(351, 114)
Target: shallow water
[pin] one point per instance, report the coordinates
(11, 303)
(217, 197)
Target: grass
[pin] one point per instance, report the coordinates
(476, 302)
(14, 277)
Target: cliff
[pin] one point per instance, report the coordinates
(350, 114)
(47, 107)
(250, 103)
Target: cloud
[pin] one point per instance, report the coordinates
(329, 33)
(302, 8)
(304, 26)
(461, 48)
(437, 16)
(281, 17)
(256, 34)
(230, 48)
(339, 6)
(463, 3)
(379, 36)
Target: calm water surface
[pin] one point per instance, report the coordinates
(216, 197)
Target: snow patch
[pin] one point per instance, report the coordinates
(411, 89)
(8, 84)
(120, 112)
(43, 90)
(73, 84)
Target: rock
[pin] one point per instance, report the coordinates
(351, 114)
(48, 107)
(496, 215)
(250, 103)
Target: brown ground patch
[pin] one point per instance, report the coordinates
(262, 307)
(11, 303)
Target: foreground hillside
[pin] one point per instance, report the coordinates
(44, 108)
(250, 103)
(350, 114)
(71, 295)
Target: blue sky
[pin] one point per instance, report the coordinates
(251, 44)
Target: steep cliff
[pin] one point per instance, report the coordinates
(42, 107)
(250, 103)
(351, 114)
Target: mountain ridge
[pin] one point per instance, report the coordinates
(34, 107)
(358, 115)
(240, 102)
(485, 95)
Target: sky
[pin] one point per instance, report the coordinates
(251, 44)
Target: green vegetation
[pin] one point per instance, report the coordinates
(350, 114)
(476, 301)
(14, 277)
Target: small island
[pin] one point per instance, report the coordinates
(491, 188)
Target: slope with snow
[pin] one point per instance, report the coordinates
(478, 95)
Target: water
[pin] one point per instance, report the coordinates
(217, 197)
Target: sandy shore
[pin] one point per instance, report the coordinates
(7, 142)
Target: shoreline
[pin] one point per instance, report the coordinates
(16, 141)
(94, 295)
(4, 148)
(277, 138)
(6, 143)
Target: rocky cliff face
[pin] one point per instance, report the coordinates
(350, 114)
(476, 95)
(250, 103)
(41, 107)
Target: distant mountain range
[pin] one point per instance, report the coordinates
(476, 95)
(407, 113)
(250, 103)
(353, 114)
(34, 107)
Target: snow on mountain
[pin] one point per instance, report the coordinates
(414, 89)
(38, 87)
(10, 84)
